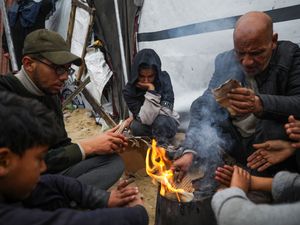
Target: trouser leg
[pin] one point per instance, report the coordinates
(101, 171)
(139, 129)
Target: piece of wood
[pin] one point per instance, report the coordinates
(98, 108)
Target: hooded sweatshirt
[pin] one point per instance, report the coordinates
(162, 96)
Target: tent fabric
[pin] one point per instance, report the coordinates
(105, 29)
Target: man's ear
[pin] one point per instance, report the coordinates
(4, 160)
(274, 41)
(29, 64)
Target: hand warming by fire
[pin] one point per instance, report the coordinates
(158, 166)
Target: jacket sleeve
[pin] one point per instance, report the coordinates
(133, 103)
(286, 187)
(60, 158)
(116, 216)
(56, 191)
(232, 207)
(288, 103)
(150, 109)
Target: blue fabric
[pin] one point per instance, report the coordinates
(28, 12)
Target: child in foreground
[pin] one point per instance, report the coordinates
(26, 132)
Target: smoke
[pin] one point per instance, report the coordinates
(205, 136)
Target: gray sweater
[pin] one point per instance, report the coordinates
(232, 207)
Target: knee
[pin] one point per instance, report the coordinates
(167, 123)
(118, 163)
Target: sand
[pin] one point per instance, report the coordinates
(80, 124)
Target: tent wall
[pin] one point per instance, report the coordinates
(189, 36)
(106, 30)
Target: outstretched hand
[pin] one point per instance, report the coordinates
(123, 195)
(224, 175)
(269, 153)
(293, 130)
(240, 179)
(244, 101)
(181, 165)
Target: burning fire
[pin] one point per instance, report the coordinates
(158, 167)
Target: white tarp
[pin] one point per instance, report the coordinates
(97, 67)
(190, 59)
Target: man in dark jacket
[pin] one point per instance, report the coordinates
(27, 130)
(269, 72)
(46, 65)
(149, 96)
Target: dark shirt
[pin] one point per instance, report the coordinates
(55, 200)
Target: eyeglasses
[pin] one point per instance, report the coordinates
(59, 69)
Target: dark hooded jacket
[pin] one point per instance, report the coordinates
(134, 96)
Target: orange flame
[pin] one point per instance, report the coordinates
(158, 167)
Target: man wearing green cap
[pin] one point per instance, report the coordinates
(46, 65)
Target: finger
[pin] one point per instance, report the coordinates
(223, 181)
(241, 104)
(235, 170)
(240, 170)
(261, 145)
(264, 167)
(240, 111)
(295, 130)
(242, 91)
(123, 183)
(223, 178)
(291, 119)
(296, 145)
(258, 164)
(128, 191)
(180, 176)
(126, 200)
(255, 160)
(230, 168)
(295, 137)
(223, 173)
(114, 148)
(117, 136)
(253, 155)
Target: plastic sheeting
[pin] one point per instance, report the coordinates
(189, 56)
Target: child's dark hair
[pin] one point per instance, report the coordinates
(24, 123)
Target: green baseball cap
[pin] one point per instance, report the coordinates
(51, 46)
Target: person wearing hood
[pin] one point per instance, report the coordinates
(150, 98)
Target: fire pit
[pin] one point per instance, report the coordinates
(170, 212)
(175, 201)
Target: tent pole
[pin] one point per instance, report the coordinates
(124, 67)
(10, 44)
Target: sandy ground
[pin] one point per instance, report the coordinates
(80, 124)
